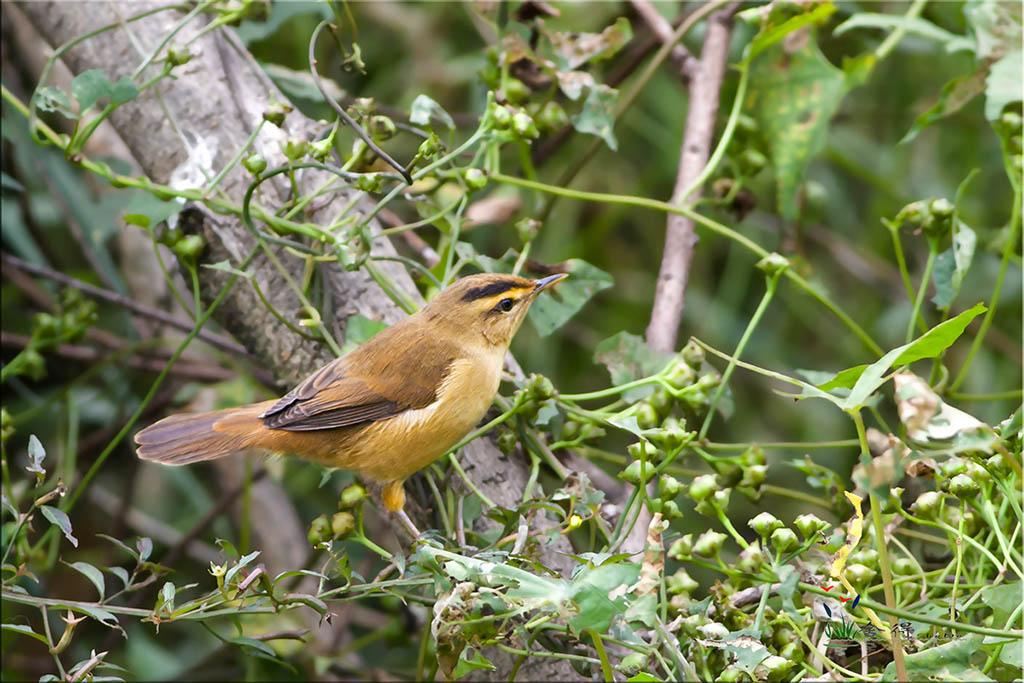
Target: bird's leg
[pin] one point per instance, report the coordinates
(393, 496)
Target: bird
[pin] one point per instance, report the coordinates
(386, 409)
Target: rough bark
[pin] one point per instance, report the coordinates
(197, 122)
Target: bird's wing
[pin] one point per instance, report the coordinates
(371, 383)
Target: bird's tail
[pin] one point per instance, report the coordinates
(187, 438)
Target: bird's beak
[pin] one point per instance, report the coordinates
(545, 282)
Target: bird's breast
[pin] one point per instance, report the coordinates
(395, 448)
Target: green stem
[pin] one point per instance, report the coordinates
(933, 248)
(893, 38)
(770, 282)
(606, 667)
(708, 223)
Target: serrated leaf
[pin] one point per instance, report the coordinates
(62, 521)
(598, 115)
(793, 95)
(92, 573)
(423, 109)
(628, 357)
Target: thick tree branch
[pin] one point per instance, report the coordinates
(680, 237)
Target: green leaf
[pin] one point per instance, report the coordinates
(598, 115)
(772, 34)
(97, 613)
(592, 591)
(121, 573)
(996, 27)
(143, 205)
(1002, 600)
(92, 573)
(1003, 87)
(358, 329)
(470, 659)
(643, 677)
(423, 109)
(36, 455)
(123, 91)
(793, 94)
(951, 265)
(553, 308)
(862, 380)
(628, 357)
(574, 49)
(25, 630)
(953, 96)
(252, 643)
(59, 518)
(55, 100)
(949, 662)
(241, 563)
(145, 546)
(89, 86)
(915, 25)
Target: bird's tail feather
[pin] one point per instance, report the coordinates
(187, 438)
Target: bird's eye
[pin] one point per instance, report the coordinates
(506, 305)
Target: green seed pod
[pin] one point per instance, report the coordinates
(978, 473)
(669, 510)
(178, 55)
(783, 635)
(709, 381)
(859, 575)
(952, 467)
(570, 430)
(692, 354)
(927, 504)
(507, 442)
(429, 147)
(720, 498)
(527, 229)
(765, 523)
(539, 387)
(903, 566)
(319, 530)
(382, 128)
(776, 667)
(709, 543)
(733, 674)
(680, 583)
(475, 178)
(370, 182)
(753, 476)
(189, 247)
(773, 264)
(681, 375)
(590, 430)
(997, 465)
(342, 524)
(681, 548)
(276, 112)
(632, 663)
(641, 450)
(703, 487)
(294, 148)
(661, 401)
(751, 558)
(668, 486)
(351, 496)
(963, 487)
(515, 90)
(502, 116)
(637, 472)
(793, 652)
(647, 417)
(808, 525)
(784, 539)
(552, 117)
(254, 164)
(867, 557)
(362, 107)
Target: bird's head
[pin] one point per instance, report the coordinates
(493, 304)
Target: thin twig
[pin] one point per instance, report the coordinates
(210, 338)
(680, 56)
(681, 238)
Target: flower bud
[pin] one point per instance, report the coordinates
(276, 112)
(773, 264)
(753, 476)
(382, 128)
(178, 55)
(927, 504)
(642, 450)
(765, 523)
(475, 178)
(681, 375)
(963, 487)
(524, 126)
(319, 530)
(669, 510)
(693, 354)
(254, 164)
(294, 148)
(661, 401)
(709, 543)
(784, 539)
(720, 498)
(637, 472)
(501, 115)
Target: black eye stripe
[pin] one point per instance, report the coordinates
(492, 289)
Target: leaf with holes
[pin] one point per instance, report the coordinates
(598, 115)
(628, 357)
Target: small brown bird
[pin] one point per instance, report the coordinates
(388, 408)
